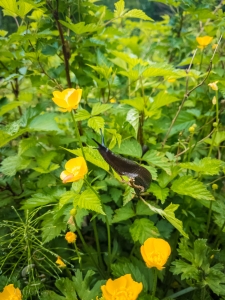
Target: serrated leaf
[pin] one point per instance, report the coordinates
(44, 122)
(160, 193)
(137, 103)
(24, 8)
(96, 123)
(10, 7)
(89, 200)
(81, 115)
(158, 159)
(159, 69)
(119, 8)
(92, 155)
(66, 198)
(162, 99)
(206, 166)
(133, 118)
(38, 200)
(216, 279)
(137, 13)
(142, 229)
(12, 164)
(128, 194)
(5, 108)
(99, 108)
(123, 213)
(67, 288)
(218, 137)
(80, 28)
(129, 147)
(189, 186)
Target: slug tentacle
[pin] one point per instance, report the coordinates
(141, 177)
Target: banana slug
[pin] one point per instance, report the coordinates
(140, 177)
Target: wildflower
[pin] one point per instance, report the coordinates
(171, 80)
(204, 41)
(67, 99)
(70, 237)
(10, 293)
(191, 129)
(214, 100)
(214, 46)
(60, 262)
(155, 252)
(215, 186)
(121, 288)
(213, 85)
(73, 212)
(76, 168)
(112, 100)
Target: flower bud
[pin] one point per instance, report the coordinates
(215, 124)
(73, 212)
(215, 186)
(214, 100)
(191, 129)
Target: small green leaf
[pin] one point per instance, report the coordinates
(80, 28)
(137, 13)
(159, 192)
(82, 114)
(99, 108)
(96, 123)
(142, 229)
(158, 159)
(162, 99)
(123, 213)
(206, 166)
(189, 186)
(38, 200)
(9, 106)
(89, 200)
(12, 164)
(44, 122)
(133, 118)
(119, 8)
(129, 147)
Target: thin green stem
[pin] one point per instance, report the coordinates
(78, 255)
(217, 121)
(200, 66)
(203, 293)
(216, 243)
(86, 248)
(97, 242)
(180, 293)
(208, 219)
(77, 133)
(217, 109)
(154, 283)
(190, 148)
(109, 244)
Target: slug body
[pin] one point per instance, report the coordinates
(126, 167)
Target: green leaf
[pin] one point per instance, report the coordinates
(9, 106)
(12, 164)
(162, 99)
(119, 8)
(158, 159)
(6, 137)
(189, 186)
(44, 122)
(82, 114)
(80, 28)
(10, 7)
(67, 288)
(206, 166)
(128, 194)
(159, 69)
(129, 147)
(66, 198)
(50, 295)
(123, 213)
(52, 228)
(96, 123)
(137, 13)
(92, 155)
(89, 200)
(216, 279)
(99, 108)
(24, 8)
(218, 137)
(142, 229)
(137, 103)
(133, 118)
(38, 200)
(168, 213)
(159, 192)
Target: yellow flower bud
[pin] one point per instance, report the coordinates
(215, 186)
(214, 100)
(213, 85)
(191, 129)
(70, 237)
(214, 46)
(60, 262)
(215, 124)
(73, 212)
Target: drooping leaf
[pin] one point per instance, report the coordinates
(80, 28)
(89, 200)
(158, 159)
(142, 229)
(10, 106)
(187, 185)
(119, 8)
(96, 123)
(133, 119)
(137, 13)
(160, 193)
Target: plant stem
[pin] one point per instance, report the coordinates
(208, 219)
(154, 284)
(109, 243)
(190, 148)
(77, 133)
(78, 255)
(97, 242)
(200, 66)
(203, 293)
(180, 293)
(215, 245)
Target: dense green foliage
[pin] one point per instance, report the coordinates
(145, 83)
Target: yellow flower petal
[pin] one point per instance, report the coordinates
(10, 293)
(60, 262)
(70, 237)
(68, 99)
(121, 288)
(155, 252)
(213, 85)
(204, 40)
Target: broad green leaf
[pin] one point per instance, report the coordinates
(82, 114)
(218, 137)
(137, 103)
(133, 119)
(92, 155)
(189, 186)
(119, 8)
(158, 159)
(162, 99)
(6, 137)
(67, 288)
(50, 295)
(44, 122)
(5, 108)
(137, 13)
(216, 279)
(26, 144)
(52, 228)
(10, 7)
(45, 160)
(24, 8)
(99, 108)
(128, 194)
(168, 213)
(206, 166)
(89, 200)
(124, 213)
(12, 164)
(164, 179)
(38, 200)
(129, 147)
(80, 28)
(102, 70)
(96, 123)
(158, 69)
(66, 198)
(159, 192)
(142, 229)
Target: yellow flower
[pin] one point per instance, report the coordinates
(155, 252)
(70, 237)
(204, 41)
(171, 80)
(123, 288)
(10, 293)
(112, 100)
(76, 168)
(214, 46)
(60, 262)
(67, 99)
(213, 85)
